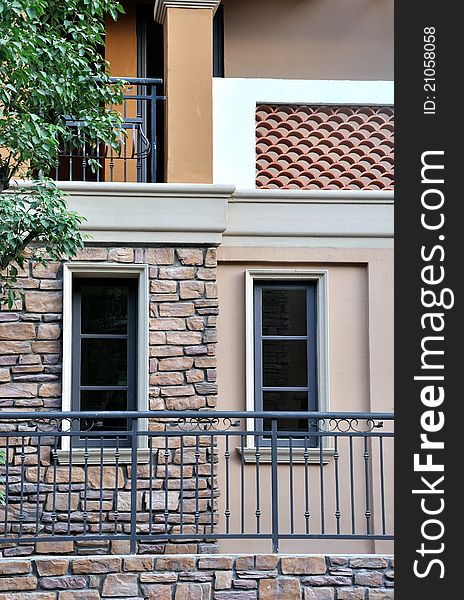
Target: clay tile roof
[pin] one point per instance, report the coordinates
(324, 147)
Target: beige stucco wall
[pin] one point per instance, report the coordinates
(309, 39)
(360, 307)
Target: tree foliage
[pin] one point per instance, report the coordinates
(51, 73)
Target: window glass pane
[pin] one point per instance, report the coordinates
(104, 309)
(283, 401)
(104, 400)
(285, 363)
(103, 362)
(284, 312)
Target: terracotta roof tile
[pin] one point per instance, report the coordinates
(325, 147)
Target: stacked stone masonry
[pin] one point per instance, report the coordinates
(183, 308)
(200, 577)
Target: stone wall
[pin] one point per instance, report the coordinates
(183, 309)
(260, 577)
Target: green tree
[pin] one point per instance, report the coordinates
(51, 72)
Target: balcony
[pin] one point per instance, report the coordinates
(138, 158)
(217, 477)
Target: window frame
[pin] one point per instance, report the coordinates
(138, 272)
(310, 339)
(318, 277)
(78, 337)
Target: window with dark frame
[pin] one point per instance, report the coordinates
(285, 350)
(104, 350)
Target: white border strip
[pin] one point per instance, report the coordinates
(234, 108)
(140, 271)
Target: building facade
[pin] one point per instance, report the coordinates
(239, 262)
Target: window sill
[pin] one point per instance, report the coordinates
(283, 455)
(94, 456)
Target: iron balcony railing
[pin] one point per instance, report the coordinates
(138, 158)
(152, 478)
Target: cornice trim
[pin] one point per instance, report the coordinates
(161, 6)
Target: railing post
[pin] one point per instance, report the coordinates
(275, 489)
(153, 141)
(133, 478)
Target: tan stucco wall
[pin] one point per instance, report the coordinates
(360, 307)
(309, 39)
(188, 74)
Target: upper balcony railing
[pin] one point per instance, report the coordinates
(138, 158)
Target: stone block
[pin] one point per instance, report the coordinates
(177, 390)
(368, 562)
(48, 331)
(122, 255)
(351, 594)
(65, 582)
(211, 257)
(55, 547)
(50, 390)
(19, 390)
(159, 256)
(266, 562)
(167, 324)
(279, 589)
(138, 563)
(368, 578)
(190, 256)
(28, 596)
(177, 563)
(215, 562)
(158, 500)
(79, 595)
(55, 566)
(62, 501)
(107, 480)
(192, 591)
(176, 273)
(157, 592)
(245, 563)
(381, 594)
(188, 338)
(155, 577)
(17, 331)
(16, 347)
(327, 580)
(319, 594)
(223, 580)
(176, 309)
(120, 585)
(92, 254)
(303, 565)
(167, 378)
(235, 595)
(44, 302)
(191, 289)
(176, 363)
(14, 567)
(104, 564)
(5, 375)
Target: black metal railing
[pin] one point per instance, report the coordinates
(138, 157)
(195, 476)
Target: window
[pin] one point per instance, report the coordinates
(104, 342)
(105, 349)
(286, 353)
(285, 350)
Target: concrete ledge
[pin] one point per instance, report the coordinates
(151, 213)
